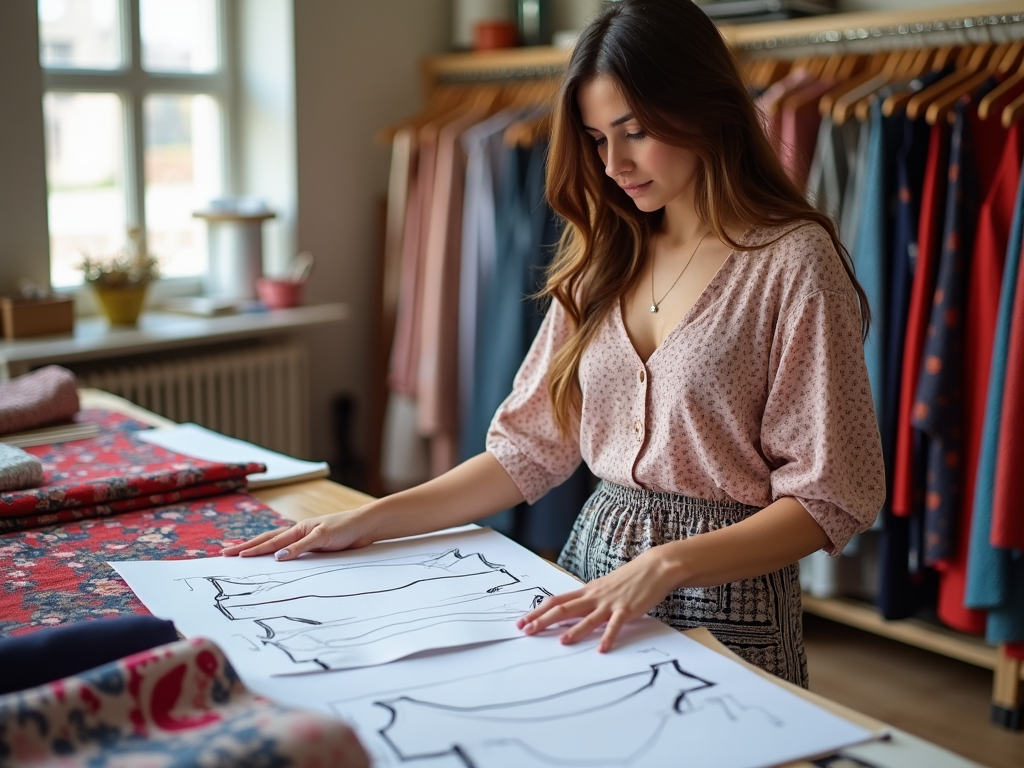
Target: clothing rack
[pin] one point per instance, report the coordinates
(972, 23)
(980, 22)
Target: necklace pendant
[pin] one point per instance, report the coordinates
(654, 307)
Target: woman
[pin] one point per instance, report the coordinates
(702, 353)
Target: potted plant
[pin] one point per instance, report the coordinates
(120, 281)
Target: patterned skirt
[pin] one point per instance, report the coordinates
(760, 618)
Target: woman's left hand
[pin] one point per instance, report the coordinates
(625, 594)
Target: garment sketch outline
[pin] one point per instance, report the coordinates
(330, 644)
(325, 613)
(536, 728)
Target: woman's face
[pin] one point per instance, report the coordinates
(651, 172)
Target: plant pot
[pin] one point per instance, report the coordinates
(122, 305)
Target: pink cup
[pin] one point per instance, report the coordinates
(278, 294)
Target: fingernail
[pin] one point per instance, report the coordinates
(281, 553)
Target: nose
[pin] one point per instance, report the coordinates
(616, 158)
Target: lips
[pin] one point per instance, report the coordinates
(635, 189)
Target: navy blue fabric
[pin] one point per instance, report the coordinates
(939, 403)
(904, 587)
(528, 232)
(57, 652)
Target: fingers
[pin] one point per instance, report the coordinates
(255, 543)
(611, 632)
(578, 631)
(547, 613)
(311, 541)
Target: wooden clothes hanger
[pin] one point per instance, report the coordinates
(442, 100)
(899, 67)
(986, 63)
(838, 102)
(1011, 66)
(969, 62)
(931, 60)
(1013, 111)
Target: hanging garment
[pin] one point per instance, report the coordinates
(484, 148)
(799, 129)
(870, 256)
(769, 103)
(907, 488)
(983, 286)
(901, 590)
(938, 403)
(853, 197)
(995, 577)
(437, 375)
(832, 168)
(527, 234)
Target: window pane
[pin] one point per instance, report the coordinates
(80, 34)
(179, 35)
(183, 173)
(85, 179)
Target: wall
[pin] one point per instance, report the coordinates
(24, 240)
(356, 70)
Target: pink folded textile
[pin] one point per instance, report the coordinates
(38, 398)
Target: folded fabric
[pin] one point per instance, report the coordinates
(18, 469)
(36, 399)
(114, 472)
(198, 491)
(56, 652)
(59, 574)
(175, 705)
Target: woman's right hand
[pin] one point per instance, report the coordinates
(330, 533)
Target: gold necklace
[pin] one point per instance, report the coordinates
(657, 302)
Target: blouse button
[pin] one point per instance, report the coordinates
(642, 377)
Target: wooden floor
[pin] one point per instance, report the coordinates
(939, 699)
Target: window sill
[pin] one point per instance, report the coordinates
(95, 339)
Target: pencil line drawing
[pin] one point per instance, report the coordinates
(326, 615)
(499, 733)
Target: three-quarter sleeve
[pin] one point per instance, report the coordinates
(523, 436)
(819, 432)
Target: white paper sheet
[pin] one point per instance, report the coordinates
(202, 443)
(658, 699)
(350, 609)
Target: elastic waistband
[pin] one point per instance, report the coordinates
(640, 498)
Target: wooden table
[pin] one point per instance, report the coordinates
(314, 498)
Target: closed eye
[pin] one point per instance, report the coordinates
(601, 141)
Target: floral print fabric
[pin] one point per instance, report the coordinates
(59, 574)
(176, 705)
(113, 473)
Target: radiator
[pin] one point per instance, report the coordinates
(257, 393)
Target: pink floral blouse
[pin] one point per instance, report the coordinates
(760, 392)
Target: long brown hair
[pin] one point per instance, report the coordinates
(673, 69)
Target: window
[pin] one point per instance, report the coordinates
(136, 109)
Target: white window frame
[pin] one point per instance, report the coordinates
(132, 84)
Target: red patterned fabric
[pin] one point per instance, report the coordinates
(59, 574)
(176, 705)
(113, 473)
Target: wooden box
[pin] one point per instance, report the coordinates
(36, 317)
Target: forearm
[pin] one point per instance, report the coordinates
(476, 488)
(778, 535)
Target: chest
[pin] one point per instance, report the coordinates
(673, 293)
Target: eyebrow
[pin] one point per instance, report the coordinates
(615, 123)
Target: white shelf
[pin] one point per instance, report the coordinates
(95, 339)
